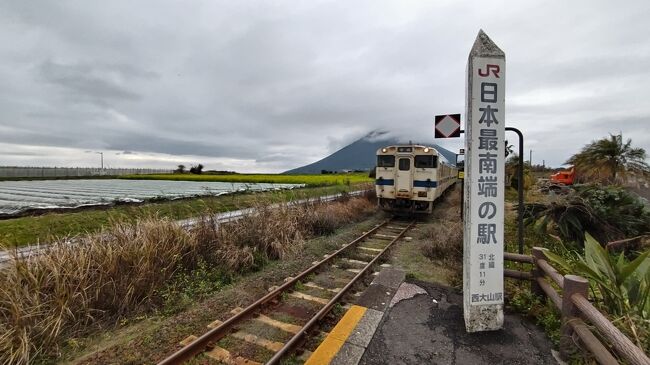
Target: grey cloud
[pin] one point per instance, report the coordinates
(285, 83)
(20, 154)
(183, 146)
(87, 83)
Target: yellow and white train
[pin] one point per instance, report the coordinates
(409, 178)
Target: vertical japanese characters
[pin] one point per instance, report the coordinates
(484, 184)
(487, 181)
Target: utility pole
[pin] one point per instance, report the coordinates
(530, 158)
(101, 154)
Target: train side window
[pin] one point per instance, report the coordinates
(426, 161)
(404, 164)
(385, 161)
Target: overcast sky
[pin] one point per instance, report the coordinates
(271, 85)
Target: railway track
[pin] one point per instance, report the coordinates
(284, 320)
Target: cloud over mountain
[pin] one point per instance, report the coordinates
(265, 86)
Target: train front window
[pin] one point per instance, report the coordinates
(404, 164)
(385, 161)
(426, 161)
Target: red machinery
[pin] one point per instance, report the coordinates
(565, 177)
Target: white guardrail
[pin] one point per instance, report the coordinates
(225, 217)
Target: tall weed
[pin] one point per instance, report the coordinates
(135, 267)
(620, 287)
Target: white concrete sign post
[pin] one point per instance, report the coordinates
(484, 186)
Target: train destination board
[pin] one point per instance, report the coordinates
(484, 187)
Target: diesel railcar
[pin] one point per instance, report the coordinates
(409, 178)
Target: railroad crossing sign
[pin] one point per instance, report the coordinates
(447, 126)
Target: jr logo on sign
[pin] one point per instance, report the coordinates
(490, 68)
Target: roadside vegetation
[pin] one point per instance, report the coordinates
(608, 160)
(598, 230)
(435, 252)
(44, 228)
(619, 286)
(151, 265)
(443, 240)
(310, 180)
(609, 213)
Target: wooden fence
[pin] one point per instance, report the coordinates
(576, 311)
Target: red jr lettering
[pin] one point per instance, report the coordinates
(493, 68)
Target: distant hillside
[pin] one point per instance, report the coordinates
(359, 155)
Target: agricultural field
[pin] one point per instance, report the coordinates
(48, 227)
(310, 180)
(20, 196)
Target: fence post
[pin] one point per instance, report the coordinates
(538, 254)
(573, 285)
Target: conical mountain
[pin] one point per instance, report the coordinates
(360, 155)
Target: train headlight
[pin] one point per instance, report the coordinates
(384, 150)
(426, 149)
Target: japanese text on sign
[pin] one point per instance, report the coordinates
(487, 169)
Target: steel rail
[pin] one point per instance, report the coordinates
(215, 334)
(295, 340)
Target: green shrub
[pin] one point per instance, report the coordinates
(190, 285)
(607, 213)
(619, 207)
(620, 287)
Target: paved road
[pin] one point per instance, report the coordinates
(429, 329)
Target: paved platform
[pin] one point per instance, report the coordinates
(348, 341)
(397, 322)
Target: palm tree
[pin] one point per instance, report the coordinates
(609, 158)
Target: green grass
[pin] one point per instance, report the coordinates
(311, 180)
(33, 229)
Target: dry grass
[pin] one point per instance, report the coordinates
(434, 254)
(444, 239)
(122, 270)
